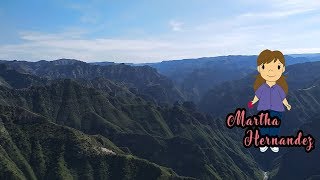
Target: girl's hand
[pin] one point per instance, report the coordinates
(285, 102)
(250, 105)
(288, 107)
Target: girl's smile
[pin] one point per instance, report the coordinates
(271, 76)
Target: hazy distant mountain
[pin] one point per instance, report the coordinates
(13, 79)
(143, 80)
(103, 63)
(311, 56)
(196, 76)
(304, 87)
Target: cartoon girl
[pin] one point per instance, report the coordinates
(270, 89)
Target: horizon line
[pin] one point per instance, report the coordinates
(160, 61)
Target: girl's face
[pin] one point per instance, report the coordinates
(271, 71)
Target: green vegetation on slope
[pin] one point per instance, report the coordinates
(34, 148)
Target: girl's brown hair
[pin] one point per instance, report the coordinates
(266, 57)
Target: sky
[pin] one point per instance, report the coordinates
(139, 31)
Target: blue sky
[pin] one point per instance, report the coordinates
(155, 30)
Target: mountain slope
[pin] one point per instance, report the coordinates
(308, 166)
(13, 79)
(34, 148)
(304, 87)
(177, 137)
(147, 82)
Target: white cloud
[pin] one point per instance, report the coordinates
(176, 25)
(283, 8)
(246, 40)
(277, 14)
(224, 37)
(271, 26)
(53, 46)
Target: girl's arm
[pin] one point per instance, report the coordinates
(285, 102)
(255, 99)
(251, 103)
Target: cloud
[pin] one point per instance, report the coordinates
(190, 44)
(283, 8)
(37, 46)
(277, 14)
(176, 25)
(289, 26)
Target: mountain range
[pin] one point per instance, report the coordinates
(304, 88)
(143, 80)
(197, 76)
(68, 119)
(175, 136)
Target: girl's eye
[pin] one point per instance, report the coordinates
(262, 66)
(279, 67)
